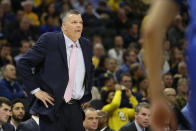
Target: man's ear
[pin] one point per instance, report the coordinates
(64, 26)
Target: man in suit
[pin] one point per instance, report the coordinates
(103, 121)
(5, 113)
(142, 119)
(62, 79)
(91, 119)
(31, 124)
(18, 112)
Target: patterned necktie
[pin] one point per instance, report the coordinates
(72, 70)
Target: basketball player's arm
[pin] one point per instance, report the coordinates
(160, 16)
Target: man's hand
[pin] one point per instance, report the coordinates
(85, 105)
(128, 92)
(44, 97)
(163, 118)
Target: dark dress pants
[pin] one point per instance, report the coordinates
(70, 118)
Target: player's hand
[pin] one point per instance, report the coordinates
(163, 118)
(44, 97)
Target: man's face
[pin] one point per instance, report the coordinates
(132, 57)
(126, 81)
(118, 41)
(4, 113)
(73, 26)
(18, 111)
(91, 120)
(5, 51)
(168, 81)
(10, 72)
(143, 117)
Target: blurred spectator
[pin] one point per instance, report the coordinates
(19, 16)
(183, 45)
(18, 112)
(176, 31)
(107, 83)
(28, 10)
(142, 119)
(112, 67)
(9, 87)
(5, 109)
(168, 80)
(166, 49)
(7, 9)
(119, 116)
(117, 51)
(50, 11)
(49, 25)
(121, 22)
(129, 57)
(103, 121)
(96, 39)
(24, 32)
(98, 52)
(89, 18)
(101, 69)
(176, 56)
(142, 89)
(136, 73)
(90, 122)
(5, 55)
(31, 124)
(170, 96)
(183, 93)
(182, 70)
(132, 36)
(79, 5)
(25, 46)
(103, 11)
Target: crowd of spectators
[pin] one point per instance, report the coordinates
(115, 30)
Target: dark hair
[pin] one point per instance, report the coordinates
(5, 45)
(4, 100)
(17, 100)
(124, 74)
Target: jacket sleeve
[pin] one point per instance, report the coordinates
(33, 58)
(133, 101)
(114, 104)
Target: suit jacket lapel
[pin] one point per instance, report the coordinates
(35, 125)
(62, 47)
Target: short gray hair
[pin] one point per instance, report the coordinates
(141, 105)
(75, 12)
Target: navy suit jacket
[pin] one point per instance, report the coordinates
(8, 127)
(130, 126)
(28, 125)
(48, 57)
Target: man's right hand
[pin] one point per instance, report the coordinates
(44, 97)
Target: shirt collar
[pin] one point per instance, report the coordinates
(36, 118)
(138, 127)
(103, 128)
(69, 42)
